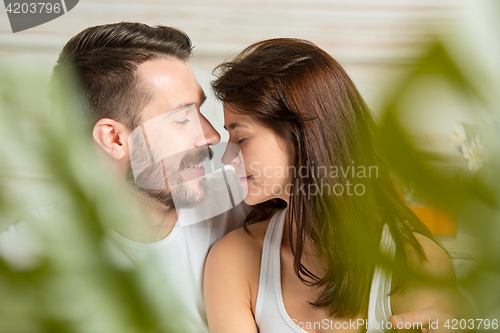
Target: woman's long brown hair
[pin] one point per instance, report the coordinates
(300, 92)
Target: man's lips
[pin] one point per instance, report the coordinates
(195, 160)
(193, 171)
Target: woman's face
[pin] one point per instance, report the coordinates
(264, 167)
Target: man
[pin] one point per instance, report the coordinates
(142, 105)
(145, 102)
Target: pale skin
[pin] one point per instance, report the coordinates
(232, 268)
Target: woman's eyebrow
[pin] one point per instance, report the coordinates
(233, 126)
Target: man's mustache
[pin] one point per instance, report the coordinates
(196, 157)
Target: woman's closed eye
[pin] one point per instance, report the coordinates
(241, 141)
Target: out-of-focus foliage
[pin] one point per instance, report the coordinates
(72, 286)
(467, 59)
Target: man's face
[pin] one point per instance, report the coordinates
(167, 149)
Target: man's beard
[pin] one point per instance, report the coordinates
(176, 192)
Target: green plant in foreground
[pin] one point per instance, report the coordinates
(454, 61)
(71, 286)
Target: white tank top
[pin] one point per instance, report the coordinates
(270, 312)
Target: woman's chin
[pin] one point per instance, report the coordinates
(253, 200)
(249, 200)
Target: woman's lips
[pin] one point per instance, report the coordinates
(244, 179)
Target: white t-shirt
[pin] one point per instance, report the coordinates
(178, 258)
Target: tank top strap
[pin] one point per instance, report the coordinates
(379, 306)
(270, 266)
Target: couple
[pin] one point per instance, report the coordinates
(301, 258)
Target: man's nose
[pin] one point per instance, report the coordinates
(209, 135)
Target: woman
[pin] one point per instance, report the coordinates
(325, 203)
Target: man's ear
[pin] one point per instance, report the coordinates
(112, 136)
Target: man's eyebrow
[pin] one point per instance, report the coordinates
(232, 126)
(182, 106)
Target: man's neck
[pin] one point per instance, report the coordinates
(155, 223)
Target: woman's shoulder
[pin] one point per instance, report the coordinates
(234, 261)
(231, 278)
(430, 282)
(241, 243)
(437, 262)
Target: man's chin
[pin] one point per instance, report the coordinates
(192, 193)
(185, 195)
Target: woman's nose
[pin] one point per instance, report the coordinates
(232, 154)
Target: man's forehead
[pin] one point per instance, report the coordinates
(166, 73)
(170, 82)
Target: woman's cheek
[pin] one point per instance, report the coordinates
(254, 169)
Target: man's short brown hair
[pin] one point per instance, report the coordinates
(104, 60)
